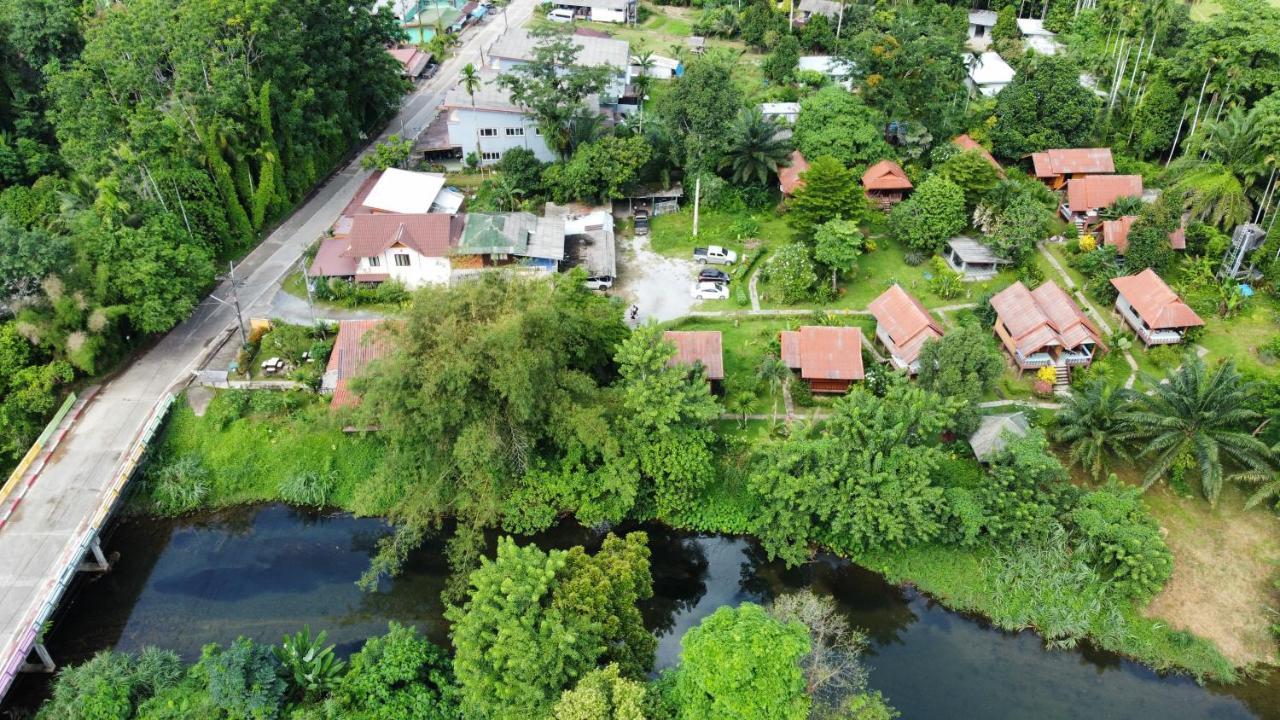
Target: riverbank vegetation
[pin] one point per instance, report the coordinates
(145, 144)
(499, 406)
(543, 634)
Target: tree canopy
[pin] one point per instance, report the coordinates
(1044, 107)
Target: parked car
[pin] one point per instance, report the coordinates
(560, 15)
(715, 255)
(710, 291)
(713, 275)
(642, 222)
(599, 282)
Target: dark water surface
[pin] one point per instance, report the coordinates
(268, 571)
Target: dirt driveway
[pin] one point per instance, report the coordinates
(657, 284)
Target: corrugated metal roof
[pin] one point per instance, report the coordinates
(964, 142)
(519, 44)
(885, 175)
(789, 176)
(1115, 233)
(993, 432)
(907, 322)
(1155, 302)
(824, 353)
(1047, 317)
(973, 252)
(1095, 192)
(702, 346)
(353, 350)
(1072, 161)
(428, 234)
(331, 259)
(404, 191)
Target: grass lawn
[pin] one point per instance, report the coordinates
(1240, 337)
(672, 234)
(295, 286)
(1205, 9)
(874, 272)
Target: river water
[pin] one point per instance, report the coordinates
(267, 571)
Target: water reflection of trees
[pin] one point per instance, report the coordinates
(876, 607)
(679, 566)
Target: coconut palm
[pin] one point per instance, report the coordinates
(775, 372)
(756, 151)
(1192, 420)
(470, 82)
(1267, 481)
(1091, 423)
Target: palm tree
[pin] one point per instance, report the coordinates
(583, 128)
(1268, 483)
(756, 150)
(1192, 420)
(1091, 423)
(470, 82)
(776, 373)
(1212, 191)
(506, 192)
(645, 62)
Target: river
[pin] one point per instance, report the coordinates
(266, 571)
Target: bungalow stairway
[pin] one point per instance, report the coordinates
(1062, 377)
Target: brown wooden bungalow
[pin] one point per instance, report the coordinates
(903, 326)
(886, 184)
(1152, 309)
(828, 358)
(1044, 328)
(695, 347)
(1056, 167)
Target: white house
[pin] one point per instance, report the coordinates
(788, 112)
(833, 67)
(612, 11)
(981, 22)
(491, 124)
(412, 249)
(989, 74)
(409, 192)
(1035, 37)
(516, 47)
(663, 68)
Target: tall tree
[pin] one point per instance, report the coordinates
(933, 213)
(830, 192)
(553, 85)
(1194, 421)
(838, 244)
(964, 363)
(757, 149)
(1092, 425)
(699, 108)
(1044, 107)
(741, 663)
(839, 124)
(536, 622)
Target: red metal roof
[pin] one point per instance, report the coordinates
(1098, 191)
(330, 260)
(356, 206)
(413, 60)
(907, 323)
(885, 175)
(429, 234)
(1115, 233)
(353, 350)
(824, 353)
(964, 142)
(1072, 161)
(789, 177)
(1044, 318)
(694, 346)
(1158, 305)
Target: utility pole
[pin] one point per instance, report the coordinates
(697, 197)
(235, 302)
(306, 282)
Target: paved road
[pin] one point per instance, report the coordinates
(70, 489)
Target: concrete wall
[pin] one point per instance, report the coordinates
(464, 123)
(420, 271)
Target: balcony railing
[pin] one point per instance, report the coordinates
(1034, 360)
(1159, 337)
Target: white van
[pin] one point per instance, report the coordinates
(560, 15)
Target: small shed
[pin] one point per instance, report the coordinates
(981, 23)
(355, 347)
(788, 112)
(696, 43)
(886, 183)
(995, 431)
(972, 259)
(989, 74)
(698, 347)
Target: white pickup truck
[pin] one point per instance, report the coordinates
(715, 255)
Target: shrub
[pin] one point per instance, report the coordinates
(179, 486)
(1119, 540)
(308, 489)
(1046, 374)
(244, 680)
(945, 282)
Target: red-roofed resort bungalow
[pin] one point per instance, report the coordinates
(1044, 328)
(903, 326)
(698, 347)
(1055, 167)
(1152, 309)
(828, 358)
(886, 184)
(355, 347)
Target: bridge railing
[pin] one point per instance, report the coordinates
(19, 648)
(15, 477)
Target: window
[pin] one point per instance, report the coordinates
(488, 132)
(537, 131)
(515, 132)
(490, 155)
(402, 260)
(375, 261)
